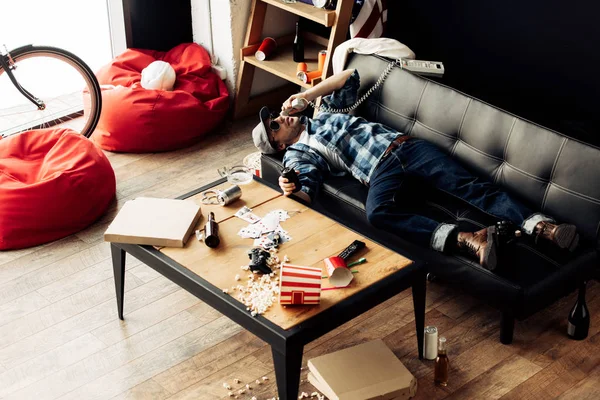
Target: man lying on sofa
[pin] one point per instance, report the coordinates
(382, 158)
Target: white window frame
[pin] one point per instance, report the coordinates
(116, 20)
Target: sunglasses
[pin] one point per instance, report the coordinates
(274, 125)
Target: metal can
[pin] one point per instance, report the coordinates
(430, 343)
(301, 70)
(229, 195)
(321, 60)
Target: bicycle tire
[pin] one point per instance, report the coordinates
(30, 51)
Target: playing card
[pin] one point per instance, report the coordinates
(268, 224)
(282, 215)
(283, 235)
(247, 215)
(264, 242)
(249, 232)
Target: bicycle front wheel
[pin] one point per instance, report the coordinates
(67, 86)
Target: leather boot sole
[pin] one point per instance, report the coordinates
(566, 236)
(489, 258)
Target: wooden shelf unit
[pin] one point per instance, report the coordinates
(281, 63)
(319, 15)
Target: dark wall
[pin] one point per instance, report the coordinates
(157, 24)
(539, 59)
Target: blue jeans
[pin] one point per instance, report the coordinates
(420, 159)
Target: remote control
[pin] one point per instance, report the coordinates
(350, 250)
(425, 68)
(297, 104)
(292, 177)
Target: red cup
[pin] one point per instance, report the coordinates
(267, 47)
(339, 274)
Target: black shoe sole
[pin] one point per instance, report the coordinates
(489, 260)
(566, 236)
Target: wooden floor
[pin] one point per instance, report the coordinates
(60, 337)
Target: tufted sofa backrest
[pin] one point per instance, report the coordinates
(553, 173)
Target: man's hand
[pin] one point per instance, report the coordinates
(286, 187)
(287, 105)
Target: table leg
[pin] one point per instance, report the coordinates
(287, 371)
(419, 287)
(118, 260)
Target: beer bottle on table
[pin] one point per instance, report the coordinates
(211, 232)
(579, 317)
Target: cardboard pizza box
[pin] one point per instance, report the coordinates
(367, 371)
(155, 222)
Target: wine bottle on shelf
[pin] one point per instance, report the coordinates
(442, 364)
(298, 45)
(579, 318)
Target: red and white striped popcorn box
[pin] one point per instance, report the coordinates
(299, 285)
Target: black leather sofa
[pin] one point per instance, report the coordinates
(552, 173)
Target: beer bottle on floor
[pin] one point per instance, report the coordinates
(442, 364)
(579, 317)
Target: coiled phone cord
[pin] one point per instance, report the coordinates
(373, 88)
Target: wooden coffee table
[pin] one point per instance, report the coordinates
(205, 272)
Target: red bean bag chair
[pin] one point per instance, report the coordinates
(53, 183)
(139, 120)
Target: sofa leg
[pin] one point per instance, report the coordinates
(507, 327)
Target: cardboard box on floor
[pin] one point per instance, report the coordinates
(364, 372)
(155, 222)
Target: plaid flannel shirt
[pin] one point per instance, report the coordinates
(359, 143)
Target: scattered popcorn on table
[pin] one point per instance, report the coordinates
(264, 378)
(230, 394)
(286, 259)
(237, 277)
(314, 394)
(226, 386)
(253, 398)
(260, 293)
(248, 387)
(225, 291)
(242, 391)
(236, 380)
(258, 382)
(303, 395)
(245, 267)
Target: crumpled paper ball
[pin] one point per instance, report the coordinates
(159, 75)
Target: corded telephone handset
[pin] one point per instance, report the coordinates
(420, 67)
